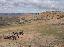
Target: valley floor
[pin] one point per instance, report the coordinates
(36, 34)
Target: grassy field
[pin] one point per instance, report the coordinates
(35, 35)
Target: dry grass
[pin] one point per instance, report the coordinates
(38, 33)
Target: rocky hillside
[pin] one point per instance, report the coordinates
(49, 17)
(53, 17)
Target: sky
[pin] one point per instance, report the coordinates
(30, 6)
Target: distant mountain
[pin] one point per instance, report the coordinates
(11, 14)
(16, 14)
